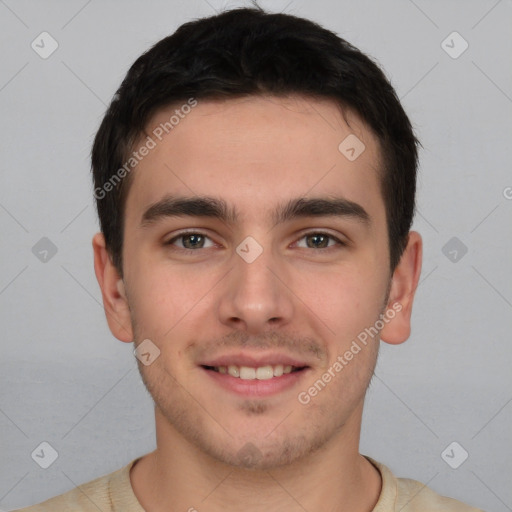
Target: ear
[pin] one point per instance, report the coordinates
(403, 287)
(115, 302)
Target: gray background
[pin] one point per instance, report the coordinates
(66, 380)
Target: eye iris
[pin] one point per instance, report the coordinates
(317, 241)
(193, 241)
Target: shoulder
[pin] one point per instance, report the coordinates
(407, 495)
(103, 493)
(90, 496)
(413, 496)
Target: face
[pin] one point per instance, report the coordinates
(255, 253)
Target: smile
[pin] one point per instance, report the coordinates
(260, 373)
(255, 379)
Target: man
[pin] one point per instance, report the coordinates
(255, 183)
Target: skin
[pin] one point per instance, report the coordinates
(296, 298)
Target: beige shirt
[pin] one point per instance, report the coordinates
(114, 493)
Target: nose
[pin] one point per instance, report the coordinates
(255, 297)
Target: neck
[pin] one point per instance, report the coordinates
(334, 477)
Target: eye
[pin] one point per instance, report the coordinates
(191, 241)
(318, 241)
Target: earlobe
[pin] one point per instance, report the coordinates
(403, 288)
(113, 291)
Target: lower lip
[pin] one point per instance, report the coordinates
(255, 387)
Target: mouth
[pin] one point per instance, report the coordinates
(265, 372)
(255, 376)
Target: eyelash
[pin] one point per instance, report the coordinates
(338, 242)
(171, 241)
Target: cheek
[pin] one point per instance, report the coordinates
(347, 299)
(164, 299)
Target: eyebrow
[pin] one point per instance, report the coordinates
(321, 207)
(204, 206)
(170, 206)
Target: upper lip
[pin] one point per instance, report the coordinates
(253, 360)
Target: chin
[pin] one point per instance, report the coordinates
(263, 452)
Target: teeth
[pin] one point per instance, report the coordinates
(234, 371)
(247, 373)
(264, 372)
(260, 373)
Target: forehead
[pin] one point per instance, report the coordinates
(256, 151)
